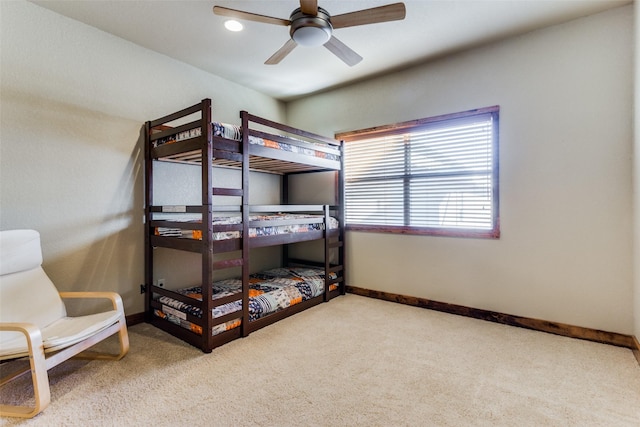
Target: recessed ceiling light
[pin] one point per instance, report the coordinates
(232, 25)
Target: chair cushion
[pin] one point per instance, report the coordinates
(58, 335)
(19, 251)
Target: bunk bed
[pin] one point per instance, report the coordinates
(215, 312)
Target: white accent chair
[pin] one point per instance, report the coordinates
(34, 321)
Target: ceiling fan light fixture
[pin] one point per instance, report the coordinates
(309, 30)
(311, 36)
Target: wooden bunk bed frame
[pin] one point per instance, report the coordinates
(207, 151)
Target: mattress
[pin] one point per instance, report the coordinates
(300, 227)
(234, 132)
(270, 291)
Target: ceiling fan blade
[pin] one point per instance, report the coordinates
(390, 12)
(309, 7)
(282, 52)
(238, 14)
(343, 51)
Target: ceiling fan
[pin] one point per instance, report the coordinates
(311, 25)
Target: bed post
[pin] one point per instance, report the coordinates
(244, 116)
(207, 225)
(148, 201)
(327, 254)
(340, 199)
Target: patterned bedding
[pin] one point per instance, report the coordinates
(270, 291)
(253, 231)
(234, 132)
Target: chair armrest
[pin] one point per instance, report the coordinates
(114, 297)
(31, 332)
(29, 329)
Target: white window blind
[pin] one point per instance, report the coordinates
(427, 176)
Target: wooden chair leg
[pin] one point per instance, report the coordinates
(39, 377)
(123, 337)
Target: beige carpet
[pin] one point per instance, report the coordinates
(353, 361)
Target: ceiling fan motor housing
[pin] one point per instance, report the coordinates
(309, 30)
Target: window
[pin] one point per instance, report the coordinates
(435, 176)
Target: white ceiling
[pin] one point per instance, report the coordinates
(190, 32)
